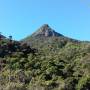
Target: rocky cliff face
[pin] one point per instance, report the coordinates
(46, 31)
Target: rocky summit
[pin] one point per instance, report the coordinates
(47, 31)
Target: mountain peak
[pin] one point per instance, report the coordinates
(45, 25)
(47, 31)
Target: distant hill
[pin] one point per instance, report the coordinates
(2, 36)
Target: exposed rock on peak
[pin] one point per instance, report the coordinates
(47, 31)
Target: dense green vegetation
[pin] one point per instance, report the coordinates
(44, 63)
(64, 68)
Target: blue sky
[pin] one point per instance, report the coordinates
(23, 17)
